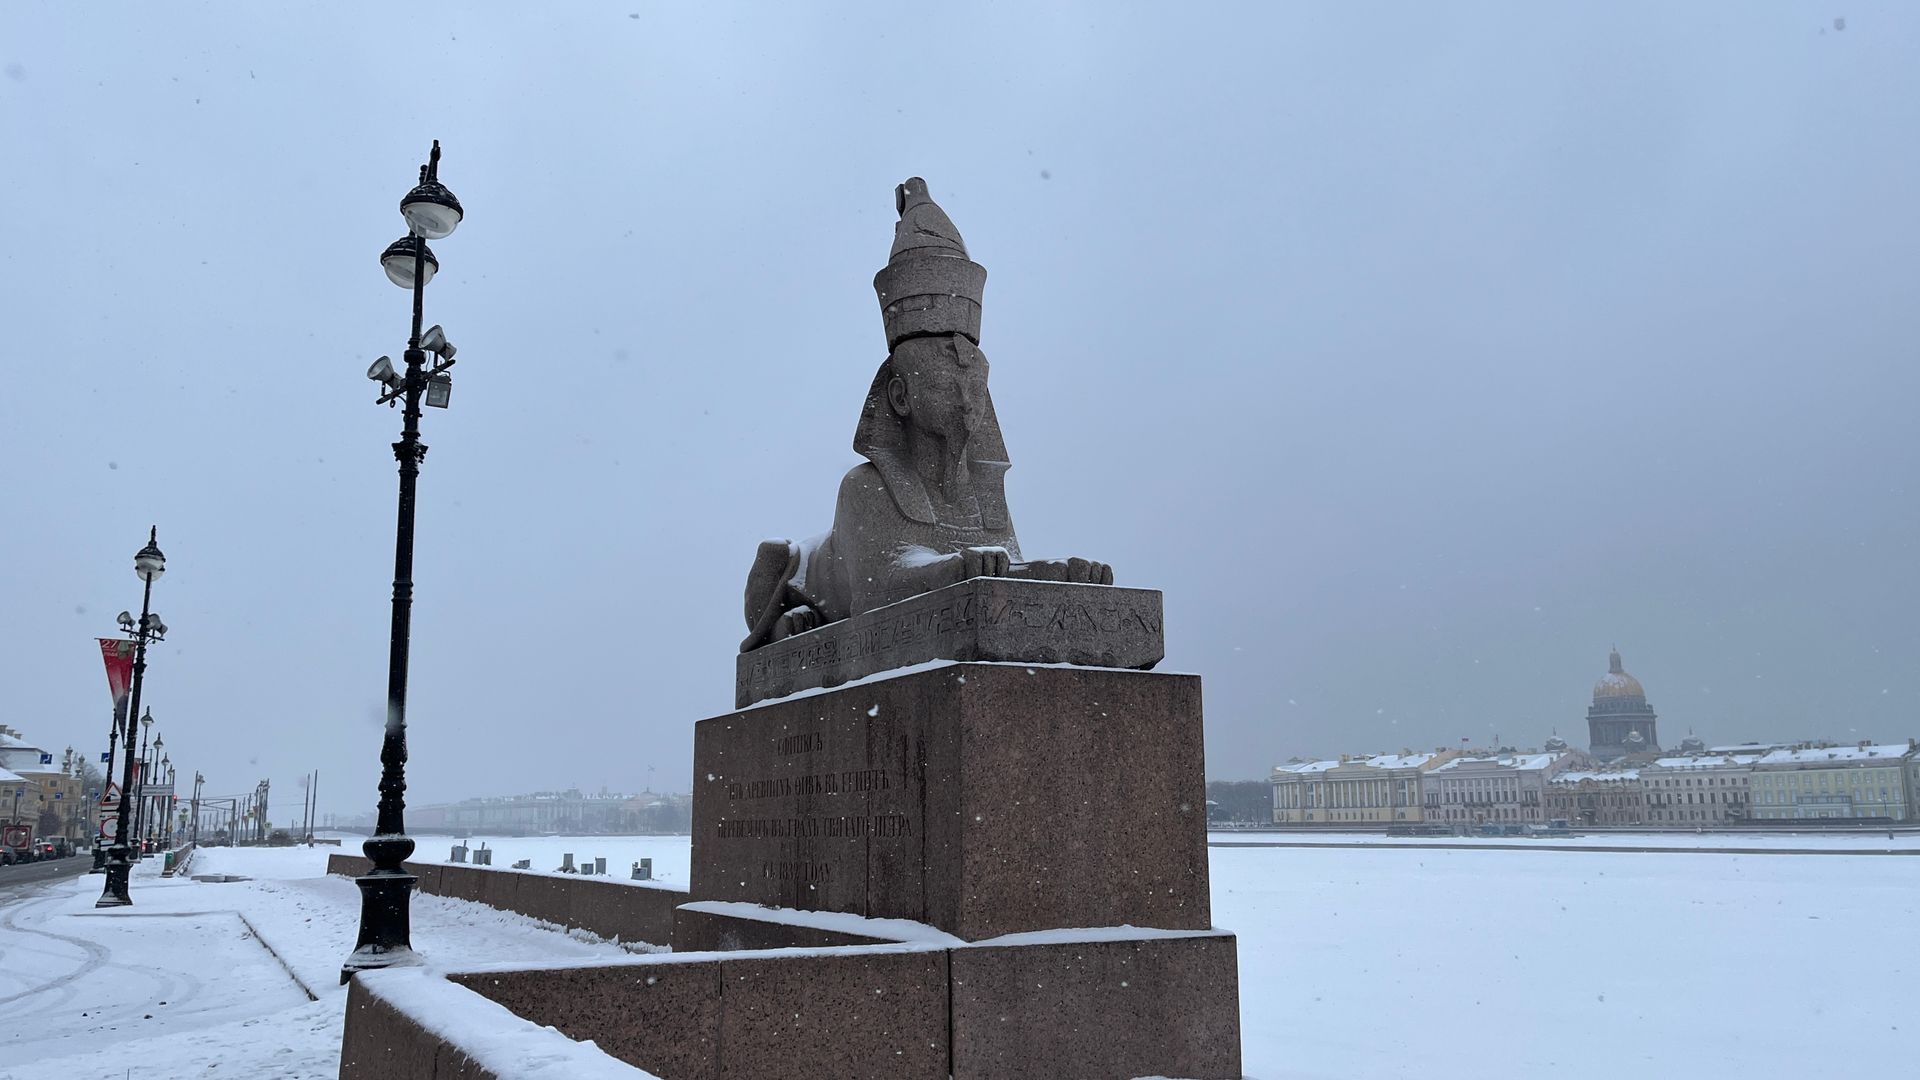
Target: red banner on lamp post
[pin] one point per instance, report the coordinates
(119, 658)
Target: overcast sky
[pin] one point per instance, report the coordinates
(1418, 353)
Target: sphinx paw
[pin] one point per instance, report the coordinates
(984, 562)
(797, 621)
(1089, 572)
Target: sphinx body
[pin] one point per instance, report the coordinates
(928, 507)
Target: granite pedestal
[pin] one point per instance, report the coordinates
(982, 799)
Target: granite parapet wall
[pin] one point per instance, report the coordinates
(857, 1014)
(631, 912)
(410, 1024)
(1108, 1006)
(382, 1041)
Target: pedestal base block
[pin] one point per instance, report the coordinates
(982, 798)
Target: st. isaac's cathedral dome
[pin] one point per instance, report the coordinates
(1616, 683)
(1620, 722)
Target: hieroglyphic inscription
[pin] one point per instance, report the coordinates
(903, 626)
(1069, 618)
(984, 619)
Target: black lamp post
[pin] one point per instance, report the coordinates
(113, 745)
(149, 563)
(165, 802)
(152, 817)
(432, 213)
(142, 778)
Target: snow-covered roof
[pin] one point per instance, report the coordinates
(1823, 754)
(1399, 761)
(1374, 761)
(12, 745)
(1516, 762)
(7, 777)
(1299, 767)
(1614, 774)
(1707, 761)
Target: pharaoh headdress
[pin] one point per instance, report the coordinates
(929, 288)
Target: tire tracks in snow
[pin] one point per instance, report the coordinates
(94, 955)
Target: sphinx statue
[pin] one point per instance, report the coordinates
(928, 507)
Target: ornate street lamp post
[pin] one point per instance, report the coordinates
(113, 746)
(197, 781)
(144, 780)
(432, 213)
(149, 563)
(150, 816)
(166, 801)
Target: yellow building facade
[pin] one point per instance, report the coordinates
(1834, 783)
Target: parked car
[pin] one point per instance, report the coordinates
(6, 856)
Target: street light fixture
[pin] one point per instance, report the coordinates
(430, 209)
(435, 341)
(148, 564)
(431, 212)
(408, 259)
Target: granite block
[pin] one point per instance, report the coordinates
(664, 1017)
(430, 877)
(379, 1042)
(705, 931)
(464, 883)
(631, 913)
(536, 896)
(1078, 799)
(986, 618)
(349, 865)
(851, 1016)
(983, 799)
(1097, 1010)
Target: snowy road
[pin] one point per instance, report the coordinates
(18, 879)
(72, 977)
(202, 978)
